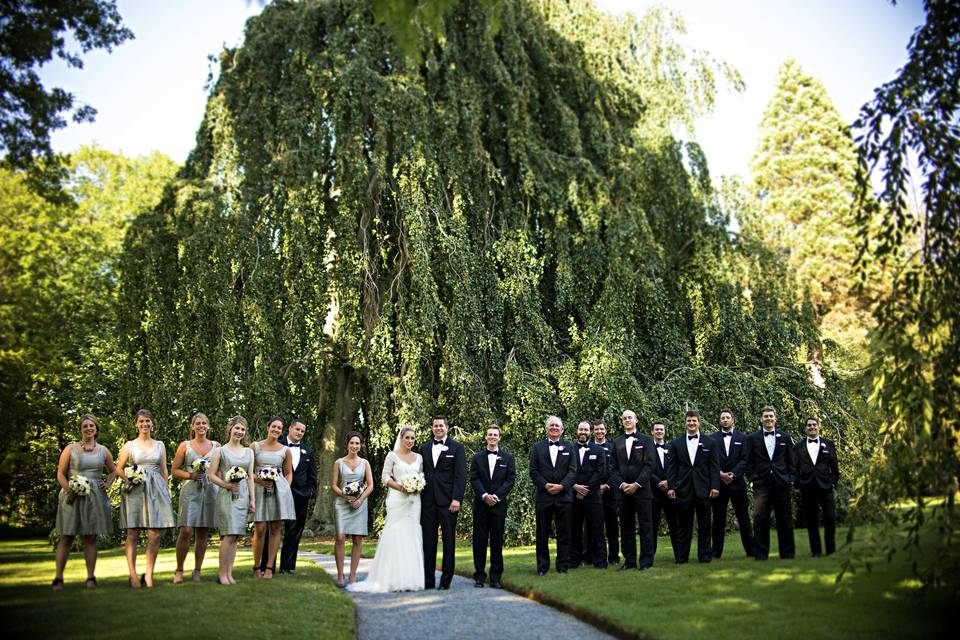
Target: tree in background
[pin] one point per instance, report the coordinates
(804, 178)
(58, 283)
(32, 32)
(915, 348)
(363, 239)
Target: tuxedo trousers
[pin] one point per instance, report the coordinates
(430, 518)
(488, 525)
(738, 498)
(667, 508)
(586, 517)
(292, 532)
(813, 500)
(765, 500)
(611, 527)
(636, 517)
(556, 514)
(686, 509)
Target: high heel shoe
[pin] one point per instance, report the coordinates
(91, 582)
(178, 576)
(195, 576)
(143, 580)
(133, 582)
(57, 584)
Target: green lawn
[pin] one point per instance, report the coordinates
(250, 609)
(734, 598)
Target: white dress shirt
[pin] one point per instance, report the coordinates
(631, 438)
(492, 461)
(727, 440)
(813, 448)
(435, 451)
(770, 442)
(583, 451)
(661, 453)
(554, 451)
(294, 453)
(692, 446)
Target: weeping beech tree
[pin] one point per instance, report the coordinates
(505, 228)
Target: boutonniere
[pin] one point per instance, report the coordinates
(559, 448)
(444, 447)
(499, 458)
(823, 446)
(778, 435)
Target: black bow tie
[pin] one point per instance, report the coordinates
(294, 444)
(659, 446)
(438, 442)
(583, 446)
(493, 453)
(727, 434)
(812, 441)
(554, 444)
(693, 437)
(768, 433)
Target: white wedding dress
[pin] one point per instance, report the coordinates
(398, 563)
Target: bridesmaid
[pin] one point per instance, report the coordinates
(198, 496)
(88, 515)
(144, 506)
(351, 511)
(274, 498)
(236, 499)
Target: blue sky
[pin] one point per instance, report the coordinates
(150, 91)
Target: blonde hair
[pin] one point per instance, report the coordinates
(234, 421)
(193, 421)
(92, 418)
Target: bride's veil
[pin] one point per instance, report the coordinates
(396, 443)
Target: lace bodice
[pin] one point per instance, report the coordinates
(395, 468)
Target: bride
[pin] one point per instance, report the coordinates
(398, 563)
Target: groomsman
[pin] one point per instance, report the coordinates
(632, 464)
(303, 487)
(693, 479)
(771, 468)
(445, 469)
(553, 466)
(817, 476)
(492, 476)
(662, 504)
(586, 511)
(608, 495)
(733, 489)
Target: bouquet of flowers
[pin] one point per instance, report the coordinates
(269, 475)
(354, 489)
(236, 474)
(200, 465)
(135, 475)
(79, 486)
(413, 483)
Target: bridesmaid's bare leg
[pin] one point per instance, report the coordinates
(355, 552)
(90, 555)
(272, 547)
(130, 550)
(200, 551)
(63, 553)
(183, 548)
(258, 530)
(153, 548)
(224, 567)
(338, 553)
(233, 559)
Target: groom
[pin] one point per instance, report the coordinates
(445, 469)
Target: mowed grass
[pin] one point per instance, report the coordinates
(306, 605)
(734, 597)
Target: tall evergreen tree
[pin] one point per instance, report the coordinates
(804, 176)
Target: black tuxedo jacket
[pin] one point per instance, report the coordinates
(448, 480)
(659, 471)
(607, 447)
(542, 471)
(500, 485)
(592, 472)
(694, 478)
(635, 469)
(304, 483)
(736, 462)
(825, 474)
(778, 473)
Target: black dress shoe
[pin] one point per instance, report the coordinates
(496, 584)
(445, 587)
(561, 570)
(627, 566)
(478, 584)
(541, 573)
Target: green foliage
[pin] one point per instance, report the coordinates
(32, 32)
(915, 349)
(804, 172)
(58, 277)
(364, 240)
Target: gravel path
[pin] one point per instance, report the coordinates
(464, 611)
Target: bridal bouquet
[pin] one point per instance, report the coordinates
(135, 475)
(236, 474)
(354, 489)
(200, 465)
(79, 486)
(413, 483)
(269, 475)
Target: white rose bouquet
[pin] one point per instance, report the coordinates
(413, 483)
(269, 475)
(235, 474)
(200, 465)
(135, 476)
(354, 489)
